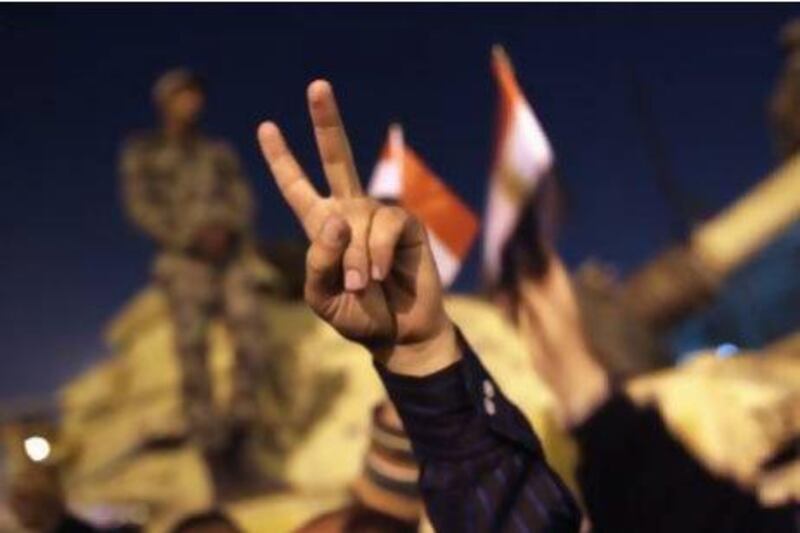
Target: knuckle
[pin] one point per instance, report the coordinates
(317, 260)
(411, 220)
(390, 220)
(393, 216)
(398, 212)
(309, 292)
(381, 252)
(380, 239)
(361, 209)
(312, 262)
(355, 255)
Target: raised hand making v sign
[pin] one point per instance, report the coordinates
(369, 270)
(370, 274)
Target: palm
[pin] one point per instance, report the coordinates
(378, 285)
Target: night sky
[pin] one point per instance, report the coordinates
(75, 81)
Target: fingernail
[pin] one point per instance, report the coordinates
(332, 231)
(353, 281)
(376, 273)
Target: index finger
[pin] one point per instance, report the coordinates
(292, 181)
(334, 148)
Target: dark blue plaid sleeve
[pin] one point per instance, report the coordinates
(481, 466)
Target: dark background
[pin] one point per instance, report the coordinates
(75, 81)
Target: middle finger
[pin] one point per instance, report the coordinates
(334, 148)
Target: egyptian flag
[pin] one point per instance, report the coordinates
(402, 176)
(521, 171)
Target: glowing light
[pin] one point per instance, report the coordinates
(37, 448)
(727, 349)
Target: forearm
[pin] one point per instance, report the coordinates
(482, 466)
(144, 213)
(239, 200)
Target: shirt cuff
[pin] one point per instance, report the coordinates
(457, 412)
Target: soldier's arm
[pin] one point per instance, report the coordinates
(242, 205)
(139, 205)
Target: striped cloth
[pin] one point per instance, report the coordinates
(388, 482)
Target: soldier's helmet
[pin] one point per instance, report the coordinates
(173, 81)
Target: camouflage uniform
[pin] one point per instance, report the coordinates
(173, 189)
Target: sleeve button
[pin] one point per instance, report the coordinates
(489, 407)
(488, 388)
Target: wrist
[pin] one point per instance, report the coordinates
(424, 357)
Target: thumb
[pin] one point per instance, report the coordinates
(324, 259)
